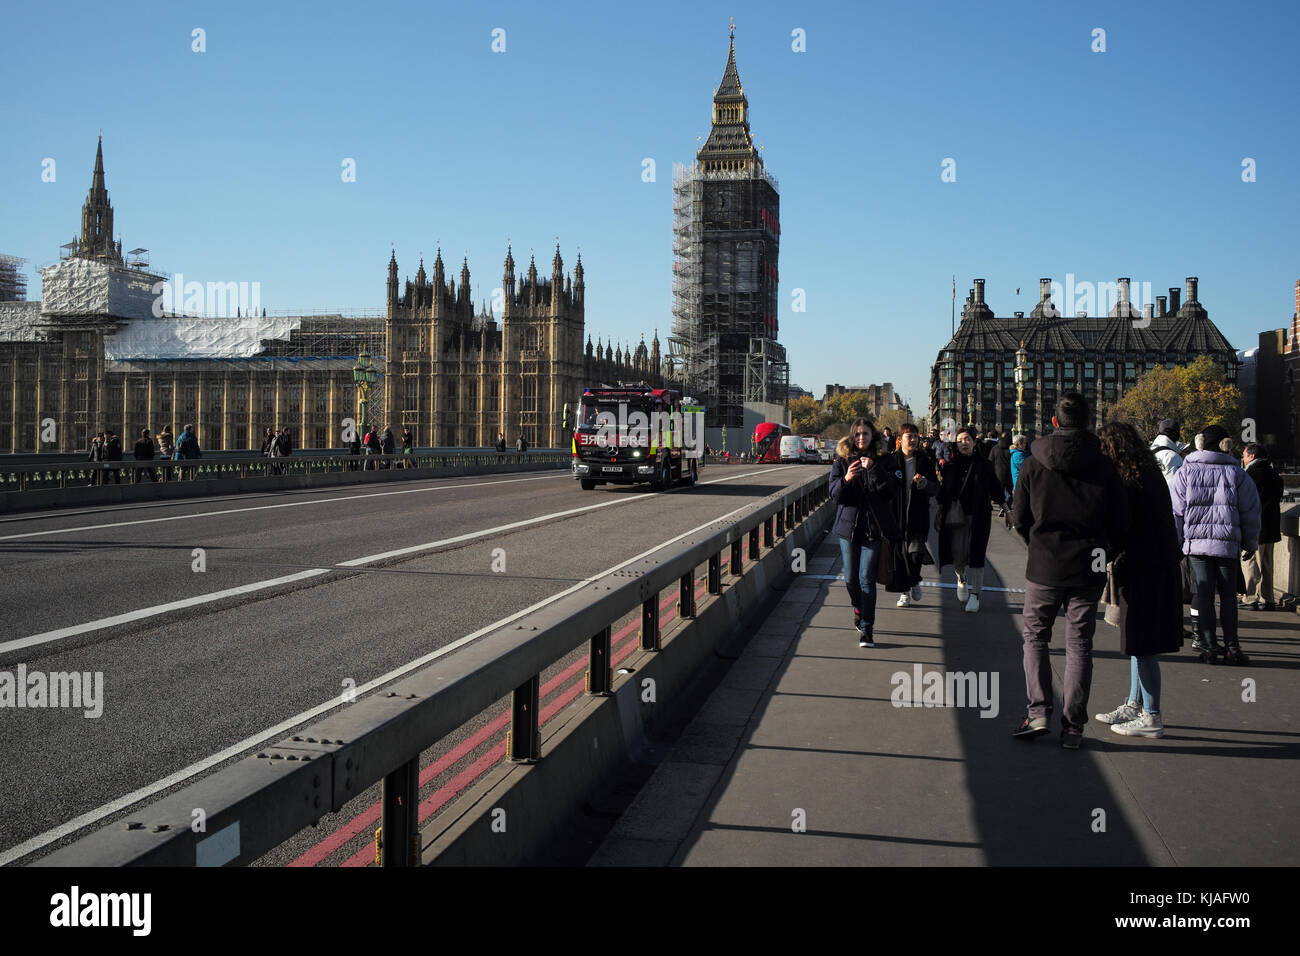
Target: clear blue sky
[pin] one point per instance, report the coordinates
(226, 164)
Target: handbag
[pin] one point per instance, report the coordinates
(954, 516)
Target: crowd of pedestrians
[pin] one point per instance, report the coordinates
(1145, 528)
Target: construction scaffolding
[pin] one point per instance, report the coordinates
(13, 284)
(692, 348)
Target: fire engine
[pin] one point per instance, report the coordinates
(630, 433)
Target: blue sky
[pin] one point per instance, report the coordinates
(226, 164)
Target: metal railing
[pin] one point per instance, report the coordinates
(37, 477)
(261, 801)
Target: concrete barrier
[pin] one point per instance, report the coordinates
(514, 814)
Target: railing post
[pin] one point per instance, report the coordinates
(686, 596)
(600, 670)
(715, 574)
(735, 558)
(753, 543)
(398, 842)
(650, 623)
(523, 742)
(780, 523)
(767, 531)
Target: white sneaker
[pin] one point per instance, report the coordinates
(916, 593)
(1129, 710)
(1146, 725)
(903, 601)
(973, 604)
(961, 591)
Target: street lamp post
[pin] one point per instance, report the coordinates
(970, 405)
(1021, 356)
(364, 375)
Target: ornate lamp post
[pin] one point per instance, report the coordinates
(970, 405)
(1021, 357)
(364, 375)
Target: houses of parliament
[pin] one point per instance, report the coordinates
(95, 354)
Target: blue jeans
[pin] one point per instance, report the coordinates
(1216, 575)
(860, 561)
(1144, 674)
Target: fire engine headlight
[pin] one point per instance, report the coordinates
(583, 469)
(636, 454)
(645, 469)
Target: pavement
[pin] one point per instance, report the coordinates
(805, 754)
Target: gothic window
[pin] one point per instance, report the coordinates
(191, 397)
(321, 397)
(531, 340)
(268, 401)
(214, 398)
(241, 402)
(295, 399)
(412, 394)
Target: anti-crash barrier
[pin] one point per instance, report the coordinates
(263, 800)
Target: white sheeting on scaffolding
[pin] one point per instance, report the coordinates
(18, 321)
(190, 338)
(88, 287)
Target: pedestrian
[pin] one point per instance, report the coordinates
(144, 452)
(267, 440)
(166, 448)
(965, 519)
(388, 446)
(1000, 459)
(1072, 509)
(521, 445)
(1258, 570)
(890, 442)
(1148, 582)
(113, 452)
(96, 455)
(940, 450)
(1168, 449)
(919, 485)
(372, 448)
(354, 450)
(1217, 515)
(408, 447)
(501, 442)
(187, 449)
(1019, 452)
(862, 487)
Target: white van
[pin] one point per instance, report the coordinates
(791, 449)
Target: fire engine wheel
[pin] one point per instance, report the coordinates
(691, 477)
(664, 480)
(587, 485)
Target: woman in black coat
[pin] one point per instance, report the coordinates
(968, 479)
(914, 469)
(1148, 581)
(862, 487)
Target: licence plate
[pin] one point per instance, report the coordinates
(612, 468)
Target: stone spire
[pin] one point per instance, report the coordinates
(96, 240)
(730, 146)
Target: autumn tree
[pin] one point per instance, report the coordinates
(806, 416)
(1194, 396)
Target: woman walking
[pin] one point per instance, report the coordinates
(970, 489)
(1148, 581)
(912, 510)
(862, 487)
(1217, 516)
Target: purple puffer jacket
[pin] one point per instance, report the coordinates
(1216, 506)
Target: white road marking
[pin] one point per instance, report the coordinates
(287, 504)
(72, 630)
(92, 816)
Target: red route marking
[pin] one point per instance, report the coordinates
(437, 800)
(371, 815)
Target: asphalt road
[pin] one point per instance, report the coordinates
(329, 586)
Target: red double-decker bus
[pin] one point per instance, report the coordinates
(767, 441)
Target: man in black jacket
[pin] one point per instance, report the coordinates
(1000, 458)
(1071, 508)
(1258, 568)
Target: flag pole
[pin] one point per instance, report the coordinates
(954, 305)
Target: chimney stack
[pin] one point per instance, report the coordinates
(1174, 293)
(1191, 289)
(1123, 288)
(1081, 315)
(1148, 312)
(1020, 315)
(979, 291)
(1045, 291)
(1160, 306)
